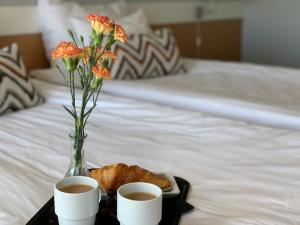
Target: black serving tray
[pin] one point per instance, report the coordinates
(173, 208)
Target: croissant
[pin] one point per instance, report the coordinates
(111, 177)
(138, 174)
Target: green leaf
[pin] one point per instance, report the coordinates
(82, 39)
(69, 111)
(72, 36)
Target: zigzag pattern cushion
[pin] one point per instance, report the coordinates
(148, 55)
(16, 90)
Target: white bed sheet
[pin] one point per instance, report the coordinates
(257, 94)
(240, 174)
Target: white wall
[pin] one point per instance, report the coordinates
(271, 32)
(24, 19)
(184, 11)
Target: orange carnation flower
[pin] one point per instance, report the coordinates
(109, 55)
(120, 34)
(100, 24)
(66, 49)
(102, 72)
(86, 55)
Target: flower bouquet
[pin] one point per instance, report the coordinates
(92, 64)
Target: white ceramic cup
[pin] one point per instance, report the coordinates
(76, 208)
(133, 212)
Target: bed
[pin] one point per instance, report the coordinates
(256, 94)
(240, 173)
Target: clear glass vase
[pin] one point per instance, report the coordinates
(77, 165)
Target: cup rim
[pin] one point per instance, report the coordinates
(140, 201)
(76, 177)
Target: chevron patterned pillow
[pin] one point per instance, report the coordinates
(148, 55)
(16, 90)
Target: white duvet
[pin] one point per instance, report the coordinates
(257, 94)
(240, 174)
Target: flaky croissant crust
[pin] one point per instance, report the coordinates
(111, 177)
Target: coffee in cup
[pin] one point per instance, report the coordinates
(140, 196)
(76, 188)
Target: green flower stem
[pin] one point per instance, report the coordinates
(77, 155)
(87, 78)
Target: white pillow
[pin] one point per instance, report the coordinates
(135, 23)
(114, 10)
(55, 18)
(54, 22)
(81, 27)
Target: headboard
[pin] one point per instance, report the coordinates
(220, 40)
(31, 48)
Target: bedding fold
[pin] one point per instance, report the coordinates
(256, 94)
